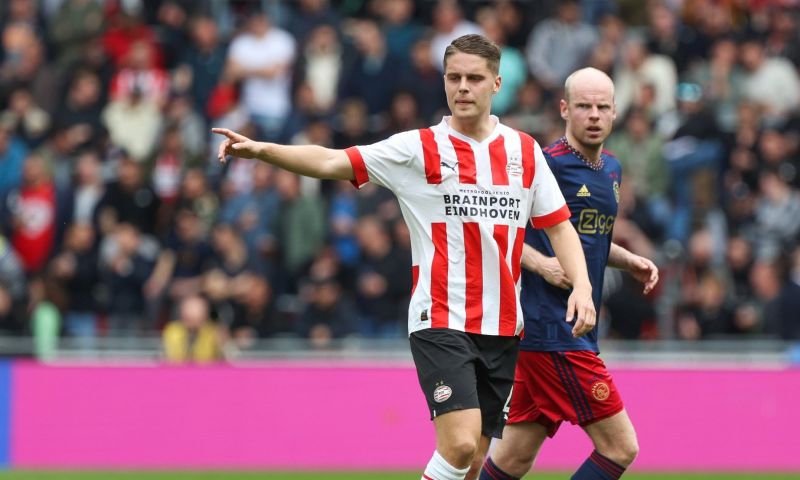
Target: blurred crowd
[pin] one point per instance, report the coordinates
(118, 221)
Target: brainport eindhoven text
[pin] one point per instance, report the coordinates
(486, 206)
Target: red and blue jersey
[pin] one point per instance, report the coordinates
(592, 195)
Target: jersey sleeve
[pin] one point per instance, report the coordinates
(386, 163)
(549, 206)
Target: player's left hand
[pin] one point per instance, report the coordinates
(644, 271)
(580, 308)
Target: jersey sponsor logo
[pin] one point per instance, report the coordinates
(591, 221)
(487, 204)
(442, 393)
(584, 191)
(600, 391)
(616, 190)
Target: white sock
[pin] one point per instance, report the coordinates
(439, 469)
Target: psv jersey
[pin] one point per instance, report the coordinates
(592, 196)
(466, 204)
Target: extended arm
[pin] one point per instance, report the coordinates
(308, 160)
(569, 252)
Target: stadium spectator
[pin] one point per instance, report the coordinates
(125, 265)
(448, 24)
(530, 112)
(29, 215)
(82, 106)
(129, 199)
(260, 318)
(645, 80)
(424, 80)
(771, 82)
(12, 157)
(559, 45)
(202, 62)
(372, 75)
(255, 213)
(309, 15)
(381, 283)
(320, 67)
(778, 224)
(192, 337)
(196, 196)
(327, 314)
(180, 113)
(75, 267)
(85, 190)
(261, 58)
(72, 28)
(513, 68)
(402, 30)
(300, 228)
(13, 290)
(403, 114)
(32, 122)
(231, 260)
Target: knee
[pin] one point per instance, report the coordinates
(461, 452)
(623, 452)
(629, 451)
(514, 461)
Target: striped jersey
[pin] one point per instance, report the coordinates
(466, 204)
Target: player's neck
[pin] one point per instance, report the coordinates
(477, 129)
(591, 153)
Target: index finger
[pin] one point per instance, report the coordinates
(229, 133)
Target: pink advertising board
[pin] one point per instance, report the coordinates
(312, 416)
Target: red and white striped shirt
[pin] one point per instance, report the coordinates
(466, 204)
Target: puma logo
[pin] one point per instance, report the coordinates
(451, 167)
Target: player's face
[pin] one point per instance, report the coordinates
(469, 85)
(590, 112)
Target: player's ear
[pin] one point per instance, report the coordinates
(498, 81)
(563, 105)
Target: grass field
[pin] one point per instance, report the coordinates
(21, 475)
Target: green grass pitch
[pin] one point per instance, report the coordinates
(82, 475)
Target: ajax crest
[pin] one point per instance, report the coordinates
(600, 390)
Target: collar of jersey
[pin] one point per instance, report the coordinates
(495, 133)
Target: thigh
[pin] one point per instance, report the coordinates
(616, 430)
(445, 362)
(495, 377)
